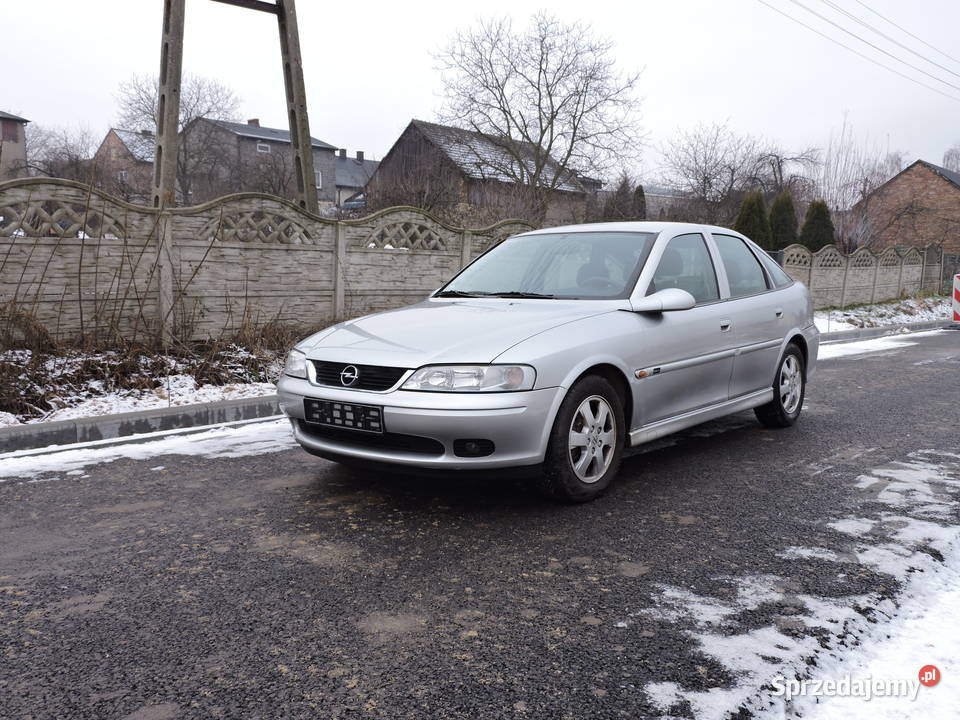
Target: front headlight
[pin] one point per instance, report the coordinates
(472, 378)
(296, 365)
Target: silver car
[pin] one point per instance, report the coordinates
(556, 350)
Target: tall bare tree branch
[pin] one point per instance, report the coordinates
(548, 95)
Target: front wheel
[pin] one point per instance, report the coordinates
(789, 386)
(586, 442)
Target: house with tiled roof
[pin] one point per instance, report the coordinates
(469, 174)
(13, 146)
(123, 164)
(248, 157)
(919, 206)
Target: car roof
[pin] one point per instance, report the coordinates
(645, 226)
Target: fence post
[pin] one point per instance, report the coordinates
(923, 267)
(843, 283)
(900, 276)
(339, 262)
(466, 247)
(876, 275)
(165, 271)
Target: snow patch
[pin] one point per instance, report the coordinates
(899, 312)
(918, 544)
(226, 442)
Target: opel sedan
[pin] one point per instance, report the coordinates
(556, 350)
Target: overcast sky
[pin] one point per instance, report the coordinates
(369, 68)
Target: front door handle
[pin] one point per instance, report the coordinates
(725, 325)
(779, 312)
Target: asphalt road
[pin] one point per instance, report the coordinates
(282, 585)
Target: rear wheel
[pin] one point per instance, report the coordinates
(789, 387)
(586, 442)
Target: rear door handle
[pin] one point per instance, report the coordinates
(725, 325)
(779, 312)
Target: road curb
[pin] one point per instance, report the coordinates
(901, 329)
(127, 425)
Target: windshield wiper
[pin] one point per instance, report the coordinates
(515, 294)
(456, 293)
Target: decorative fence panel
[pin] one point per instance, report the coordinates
(837, 280)
(86, 264)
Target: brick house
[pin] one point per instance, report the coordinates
(227, 157)
(123, 164)
(13, 146)
(466, 175)
(919, 206)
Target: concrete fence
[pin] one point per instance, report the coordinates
(84, 263)
(838, 280)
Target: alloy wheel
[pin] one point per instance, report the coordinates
(592, 439)
(791, 384)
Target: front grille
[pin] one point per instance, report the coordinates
(369, 377)
(375, 441)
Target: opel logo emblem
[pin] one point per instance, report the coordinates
(349, 375)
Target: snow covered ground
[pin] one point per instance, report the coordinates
(897, 312)
(86, 384)
(179, 390)
(829, 351)
(253, 438)
(860, 640)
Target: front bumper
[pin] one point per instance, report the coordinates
(518, 424)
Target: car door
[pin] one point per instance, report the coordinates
(757, 318)
(685, 356)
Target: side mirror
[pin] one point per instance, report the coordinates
(665, 301)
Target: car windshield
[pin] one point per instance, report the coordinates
(595, 265)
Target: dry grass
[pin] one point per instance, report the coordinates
(37, 372)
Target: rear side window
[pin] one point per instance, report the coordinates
(743, 269)
(686, 264)
(780, 278)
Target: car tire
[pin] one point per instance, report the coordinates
(789, 387)
(586, 442)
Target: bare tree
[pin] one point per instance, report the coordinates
(850, 173)
(951, 158)
(200, 97)
(776, 170)
(712, 166)
(549, 96)
(60, 152)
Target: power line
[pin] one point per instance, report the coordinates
(875, 47)
(857, 52)
(903, 29)
(882, 34)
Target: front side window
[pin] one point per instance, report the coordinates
(686, 265)
(578, 265)
(744, 273)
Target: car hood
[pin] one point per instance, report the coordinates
(439, 331)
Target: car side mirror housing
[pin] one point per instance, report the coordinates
(667, 300)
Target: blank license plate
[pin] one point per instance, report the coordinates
(344, 415)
